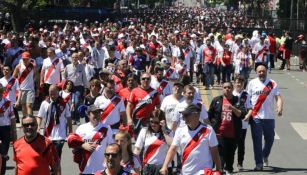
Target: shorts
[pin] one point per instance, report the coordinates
(27, 96)
(287, 54)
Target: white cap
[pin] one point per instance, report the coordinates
(193, 35)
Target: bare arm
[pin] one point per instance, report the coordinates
(280, 104)
(16, 71)
(13, 130)
(216, 157)
(39, 121)
(169, 157)
(42, 76)
(137, 151)
(128, 113)
(235, 110)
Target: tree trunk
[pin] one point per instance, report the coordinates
(16, 20)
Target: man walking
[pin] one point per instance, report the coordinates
(263, 91)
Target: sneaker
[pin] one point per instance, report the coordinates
(265, 162)
(240, 167)
(258, 168)
(228, 172)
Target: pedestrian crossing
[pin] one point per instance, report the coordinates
(300, 128)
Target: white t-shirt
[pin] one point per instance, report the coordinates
(114, 117)
(55, 76)
(200, 157)
(8, 114)
(89, 133)
(255, 89)
(168, 106)
(181, 107)
(145, 139)
(58, 131)
(12, 93)
(176, 51)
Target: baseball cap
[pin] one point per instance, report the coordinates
(93, 108)
(192, 108)
(25, 55)
(164, 61)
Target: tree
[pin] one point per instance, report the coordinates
(19, 9)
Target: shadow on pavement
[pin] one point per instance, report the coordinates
(276, 170)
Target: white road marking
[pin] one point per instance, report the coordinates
(301, 129)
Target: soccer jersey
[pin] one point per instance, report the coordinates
(26, 80)
(164, 88)
(111, 108)
(261, 52)
(134, 164)
(52, 68)
(36, 157)
(195, 154)
(6, 112)
(102, 135)
(10, 87)
(171, 74)
(58, 131)
(155, 147)
(181, 106)
(125, 94)
(188, 55)
(144, 101)
(256, 89)
(168, 106)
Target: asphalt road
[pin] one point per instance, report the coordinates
(289, 153)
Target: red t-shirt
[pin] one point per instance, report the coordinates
(34, 158)
(125, 94)
(209, 54)
(226, 128)
(138, 96)
(272, 47)
(153, 49)
(227, 57)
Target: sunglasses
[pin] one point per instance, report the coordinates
(26, 125)
(114, 155)
(145, 78)
(155, 122)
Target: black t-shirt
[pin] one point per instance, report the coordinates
(89, 100)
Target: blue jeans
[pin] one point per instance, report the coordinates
(208, 74)
(226, 73)
(266, 128)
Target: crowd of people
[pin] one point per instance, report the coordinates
(136, 83)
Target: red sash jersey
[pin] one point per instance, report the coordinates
(34, 158)
(195, 147)
(139, 96)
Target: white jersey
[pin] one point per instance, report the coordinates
(28, 82)
(59, 130)
(247, 104)
(55, 75)
(255, 88)
(12, 91)
(6, 112)
(168, 106)
(181, 107)
(113, 117)
(175, 51)
(199, 157)
(261, 51)
(171, 74)
(103, 136)
(188, 55)
(164, 87)
(146, 139)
